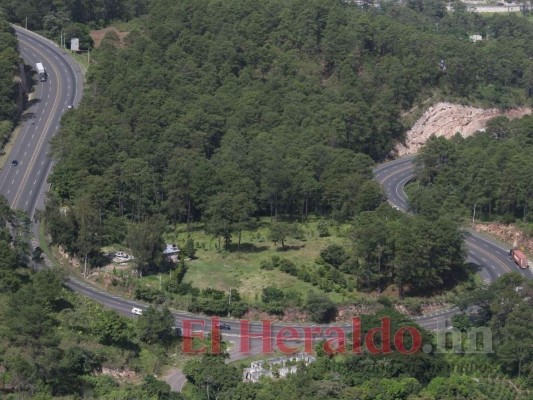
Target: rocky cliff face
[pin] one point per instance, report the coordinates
(447, 119)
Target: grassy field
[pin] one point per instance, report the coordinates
(240, 269)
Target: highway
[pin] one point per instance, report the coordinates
(25, 186)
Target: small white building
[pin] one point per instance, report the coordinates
(276, 367)
(476, 38)
(171, 251)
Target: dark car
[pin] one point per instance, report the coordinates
(14, 163)
(224, 327)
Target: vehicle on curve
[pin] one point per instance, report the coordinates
(224, 327)
(519, 258)
(41, 72)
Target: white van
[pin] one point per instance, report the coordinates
(136, 311)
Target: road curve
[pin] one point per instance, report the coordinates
(24, 187)
(492, 259)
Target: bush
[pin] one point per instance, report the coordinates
(334, 255)
(272, 294)
(320, 308)
(289, 267)
(189, 250)
(238, 309)
(150, 295)
(303, 274)
(322, 228)
(267, 266)
(275, 261)
(413, 306)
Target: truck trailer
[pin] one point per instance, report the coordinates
(41, 72)
(519, 258)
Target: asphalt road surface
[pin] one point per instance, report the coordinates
(24, 185)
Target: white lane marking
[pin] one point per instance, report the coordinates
(39, 172)
(40, 119)
(16, 173)
(28, 145)
(9, 190)
(13, 181)
(35, 181)
(25, 153)
(42, 163)
(32, 135)
(484, 259)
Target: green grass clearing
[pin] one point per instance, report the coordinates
(241, 269)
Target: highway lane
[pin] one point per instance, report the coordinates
(24, 185)
(492, 259)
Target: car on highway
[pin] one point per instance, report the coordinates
(14, 163)
(136, 311)
(224, 327)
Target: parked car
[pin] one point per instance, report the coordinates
(136, 311)
(14, 163)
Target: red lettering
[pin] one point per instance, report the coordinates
(339, 340)
(308, 337)
(189, 335)
(384, 331)
(265, 334)
(416, 338)
(216, 337)
(356, 335)
(281, 337)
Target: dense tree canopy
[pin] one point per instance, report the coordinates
(225, 111)
(490, 172)
(9, 60)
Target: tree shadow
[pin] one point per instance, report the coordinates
(292, 247)
(246, 248)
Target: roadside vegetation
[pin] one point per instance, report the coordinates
(486, 176)
(10, 94)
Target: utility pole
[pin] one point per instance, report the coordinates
(474, 215)
(229, 303)
(26, 23)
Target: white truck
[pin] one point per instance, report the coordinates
(41, 72)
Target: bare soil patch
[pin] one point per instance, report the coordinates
(447, 119)
(99, 35)
(508, 234)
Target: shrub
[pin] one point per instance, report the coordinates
(288, 266)
(320, 308)
(266, 265)
(148, 294)
(334, 255)
(189, 250)
(322, 228)
(275, 261)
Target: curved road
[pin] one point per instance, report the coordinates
(25, 185)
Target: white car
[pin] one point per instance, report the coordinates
(136, 311)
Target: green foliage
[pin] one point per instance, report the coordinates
(189, 250)
(146, 243)
(334, 255)
(411, 251)
(488, 172)
(156, 326)
(211, 375)
(320, 308)
(322, 228)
